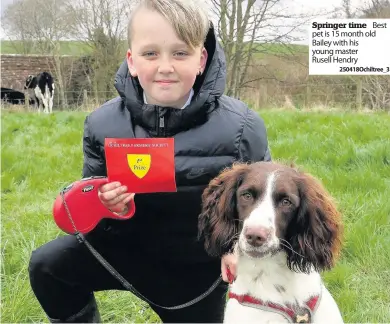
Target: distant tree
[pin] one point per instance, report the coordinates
(13, 22)
(101, 26)
(376, 9)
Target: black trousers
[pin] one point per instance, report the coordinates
(64, 274)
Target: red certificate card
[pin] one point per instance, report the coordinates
(144, 165)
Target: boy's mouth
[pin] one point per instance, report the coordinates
(165, 81)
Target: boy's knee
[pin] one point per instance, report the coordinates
(39, 264)
(47, 258)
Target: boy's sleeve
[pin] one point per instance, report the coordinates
(254, 140)
(94, 162)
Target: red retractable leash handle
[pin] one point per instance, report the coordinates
(78, 208)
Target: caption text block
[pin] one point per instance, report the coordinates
(349, 47)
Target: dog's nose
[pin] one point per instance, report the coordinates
(257, 235)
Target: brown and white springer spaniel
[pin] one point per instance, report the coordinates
(285, 229)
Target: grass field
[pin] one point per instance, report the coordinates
(66, 48)
(349, 152)
(76, 48)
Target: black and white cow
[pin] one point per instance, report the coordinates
(41, 89)
(12, 96)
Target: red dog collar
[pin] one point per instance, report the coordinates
(293, 313)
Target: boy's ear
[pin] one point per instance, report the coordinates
(130, 63)
(203, 59)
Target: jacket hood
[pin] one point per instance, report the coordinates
(207, 88)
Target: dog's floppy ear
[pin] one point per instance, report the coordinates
(316, 233)
(218, 223)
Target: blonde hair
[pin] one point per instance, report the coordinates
(187, 18)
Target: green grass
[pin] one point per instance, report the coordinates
(81, 48)
(66, 48)
(349, 152)
(279, 49)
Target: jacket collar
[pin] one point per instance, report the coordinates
(186, 103)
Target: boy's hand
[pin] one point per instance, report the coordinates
(115, 197)
(228, 267)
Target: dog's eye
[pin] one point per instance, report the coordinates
(286, 202)
(247, 195)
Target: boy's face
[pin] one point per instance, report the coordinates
(166, 67)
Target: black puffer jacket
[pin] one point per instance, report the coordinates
(210, 134)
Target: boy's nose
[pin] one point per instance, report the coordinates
(165, 65)
(165, 68)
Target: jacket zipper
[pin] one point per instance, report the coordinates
(161, 129)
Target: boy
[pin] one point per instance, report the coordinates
(170, 85)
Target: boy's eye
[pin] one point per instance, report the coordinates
(148, 54)
(181, 53)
